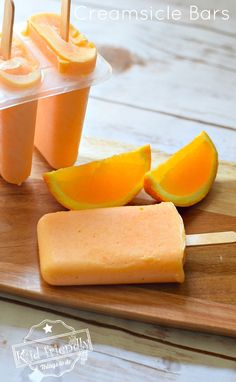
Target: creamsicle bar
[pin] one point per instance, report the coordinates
(60, 118)
(17, 123)
(121, 245)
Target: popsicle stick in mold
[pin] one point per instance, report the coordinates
(65, 19)
(7, 29)
(211, 238)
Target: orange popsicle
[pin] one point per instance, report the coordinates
(75, 57)
(17, 123)
(112, 246)
(60, 118)
(59, 127)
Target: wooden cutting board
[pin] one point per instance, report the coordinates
(207, 299)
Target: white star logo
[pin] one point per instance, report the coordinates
(47, 328)
(36, 376)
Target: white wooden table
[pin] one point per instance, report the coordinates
(171, 80)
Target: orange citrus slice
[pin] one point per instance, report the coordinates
(21, 70)
(186, 177)
(104, 183)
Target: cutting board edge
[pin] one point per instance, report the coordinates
(102, 308)
(159, 308)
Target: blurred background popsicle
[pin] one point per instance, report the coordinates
(18, 69)
(60, 118)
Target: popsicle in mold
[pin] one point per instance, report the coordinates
(60, 118)
(18, 70)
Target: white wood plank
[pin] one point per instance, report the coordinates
(119, 350)
(164, 131)
(139, 127)
(188, 72)
(174, 86)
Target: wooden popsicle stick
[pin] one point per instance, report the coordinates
(7, 29)
(211, 238)
(65, 19)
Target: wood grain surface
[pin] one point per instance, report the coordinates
(139, 105)
(207, 299)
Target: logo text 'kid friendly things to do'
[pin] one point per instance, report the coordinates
(52, 348)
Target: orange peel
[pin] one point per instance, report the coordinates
(110, 182)
(187, 176)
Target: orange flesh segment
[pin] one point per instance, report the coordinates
(203, 161)
(191, 171)
(119, 245)
(77, 56)
(108, 182)
(22, 69)
(94, 178)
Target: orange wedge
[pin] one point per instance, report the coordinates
(104, 183)
(21, 70)
(186, 177)
(77, 56)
